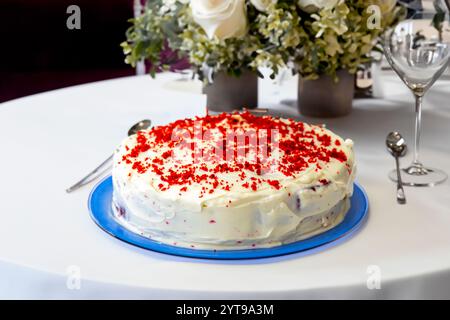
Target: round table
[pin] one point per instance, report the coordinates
(50, 247)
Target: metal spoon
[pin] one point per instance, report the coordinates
(141, 125)
(396, 145)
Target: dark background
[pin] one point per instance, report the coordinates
(39, 53)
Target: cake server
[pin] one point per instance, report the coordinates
(396, 145)
(102, 168)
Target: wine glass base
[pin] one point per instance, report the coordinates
(419, 176)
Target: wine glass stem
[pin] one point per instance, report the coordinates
(418, 129)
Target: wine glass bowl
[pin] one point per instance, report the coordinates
(418, 50)
(415, 52)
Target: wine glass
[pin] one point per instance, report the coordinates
(418, 50)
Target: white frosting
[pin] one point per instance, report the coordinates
(240, 217)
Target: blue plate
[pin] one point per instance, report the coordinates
(100, 208)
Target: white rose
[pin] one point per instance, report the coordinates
(262, 5)
(221, 18)
(311, 6)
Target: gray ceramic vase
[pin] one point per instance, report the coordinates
(324, 98)
(228, 93)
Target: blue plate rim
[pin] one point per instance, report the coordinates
(244, 254)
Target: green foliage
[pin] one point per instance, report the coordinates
(283, 35)
(340, 38)
(439, 18)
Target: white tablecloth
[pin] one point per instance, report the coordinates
(50, 248)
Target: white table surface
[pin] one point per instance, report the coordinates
(50, 140)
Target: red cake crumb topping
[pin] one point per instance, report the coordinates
(299, 147)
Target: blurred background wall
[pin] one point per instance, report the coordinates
(38, 52)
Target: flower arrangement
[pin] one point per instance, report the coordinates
(312, 37)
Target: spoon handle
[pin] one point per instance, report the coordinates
(92, 175)
(401, 199)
